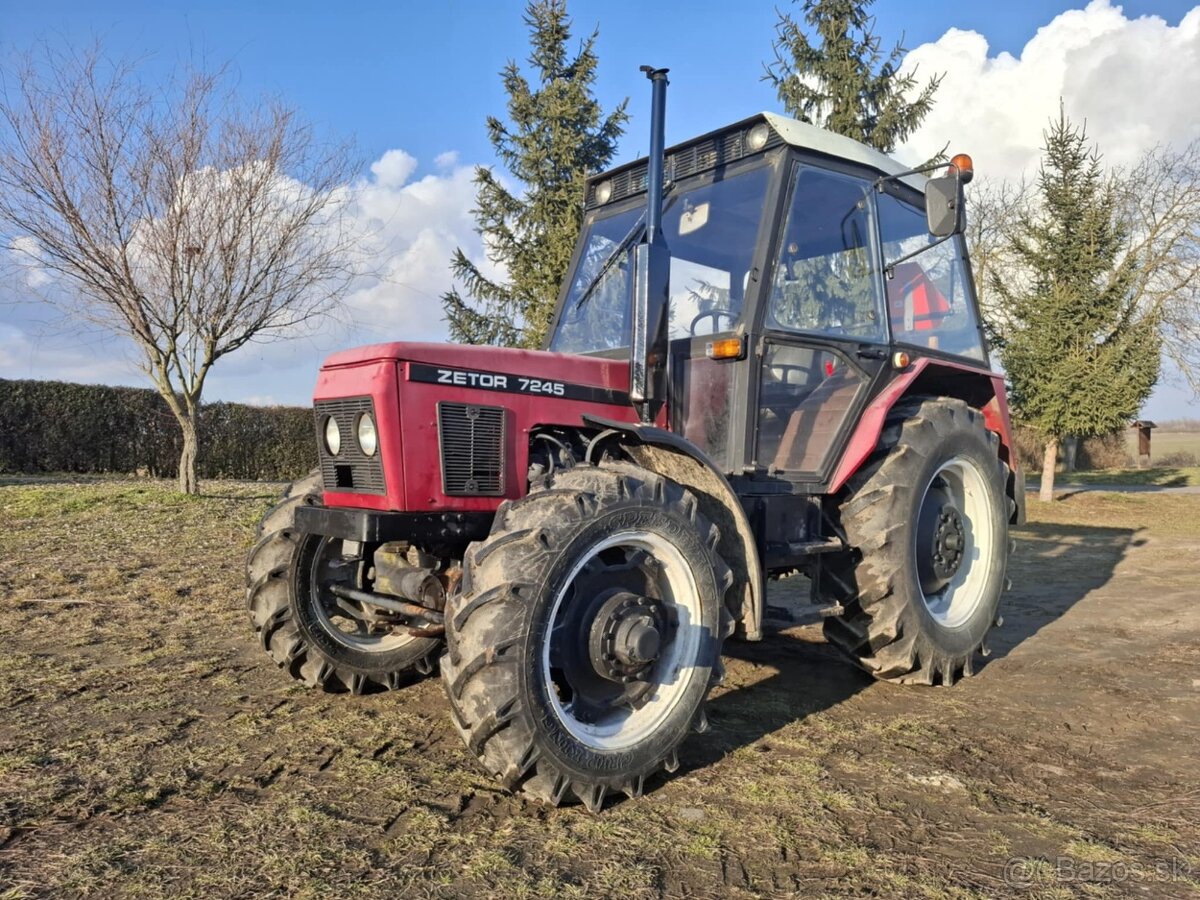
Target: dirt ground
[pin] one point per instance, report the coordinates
(149, 748)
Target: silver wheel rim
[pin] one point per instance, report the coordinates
(342, 627)
(963, 482)
(673, 673)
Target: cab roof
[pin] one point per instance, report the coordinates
(729, 144)
(829, 143)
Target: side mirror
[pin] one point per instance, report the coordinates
(944, 206)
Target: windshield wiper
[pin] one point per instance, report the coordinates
(635, 234)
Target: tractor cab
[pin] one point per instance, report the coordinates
(802, 269)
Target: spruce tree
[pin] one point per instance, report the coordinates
(1081, 354)
(556, 136)
(839, 79)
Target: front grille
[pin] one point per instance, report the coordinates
(351, 471)
(472, 445)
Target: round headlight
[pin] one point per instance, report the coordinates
(604, 192)
(757, 138)
(368, 440)
(333, 436)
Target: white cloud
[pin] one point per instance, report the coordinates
(27, 259)
(1134, 81)
(30, 348)
(409, 232)
(393, 168)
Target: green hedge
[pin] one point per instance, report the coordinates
(54, 426)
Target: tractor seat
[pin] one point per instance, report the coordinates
(915, 305)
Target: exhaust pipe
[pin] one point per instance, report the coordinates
(654, 167)
(652, 273)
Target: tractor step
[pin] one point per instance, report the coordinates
(780, 617)
(797, 553)
(808, 548)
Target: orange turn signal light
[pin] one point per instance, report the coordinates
(966, 168)
(900, 359)
(725, 348)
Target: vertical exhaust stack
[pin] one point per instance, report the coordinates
(652, 273)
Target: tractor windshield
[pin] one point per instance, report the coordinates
(711, 227)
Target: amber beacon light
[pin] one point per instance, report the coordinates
(966, 168)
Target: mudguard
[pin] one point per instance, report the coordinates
(679, 459)
(936, 377)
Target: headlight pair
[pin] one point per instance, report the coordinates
(364, 428)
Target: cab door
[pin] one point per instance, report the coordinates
(712, 225)
(823, 324)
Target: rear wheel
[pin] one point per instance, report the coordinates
(325, 641)
(928, 521)
(586, 634)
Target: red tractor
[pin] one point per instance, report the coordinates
(767, 359)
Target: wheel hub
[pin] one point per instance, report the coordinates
(626, 636)
(948, 543)
(941, 540)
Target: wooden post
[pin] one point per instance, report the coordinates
(1070, 451)
(1143, 427)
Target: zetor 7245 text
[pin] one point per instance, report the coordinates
(767, 360)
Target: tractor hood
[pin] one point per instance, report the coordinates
(478, 366)
(453, 422)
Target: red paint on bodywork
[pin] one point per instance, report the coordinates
(406, 412)
(866, 436)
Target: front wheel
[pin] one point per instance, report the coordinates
(586, 635)
(325, 641)
(928, 521)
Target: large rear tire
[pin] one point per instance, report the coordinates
(300, 624)
(927, 519)
(587, 633)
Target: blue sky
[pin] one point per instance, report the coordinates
(421, 77)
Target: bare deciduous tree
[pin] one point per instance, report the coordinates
(995, 207)
(180, 218)
(1162, 203)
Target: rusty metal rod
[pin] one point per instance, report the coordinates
(407, 610)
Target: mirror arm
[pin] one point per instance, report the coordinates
(919, 170)
(889, 269)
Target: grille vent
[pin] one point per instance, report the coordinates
(699, 157)
(351, 471)
(472, 447)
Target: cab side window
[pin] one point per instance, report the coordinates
(824, 280)
(928, 295)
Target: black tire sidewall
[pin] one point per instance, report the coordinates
(570, 754)
(961, 639)
(317, 635)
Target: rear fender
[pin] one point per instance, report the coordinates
(940, 378)
(677, 458)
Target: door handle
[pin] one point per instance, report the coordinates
(869, 352)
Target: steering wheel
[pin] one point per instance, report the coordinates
(715, 315)
(782, 395)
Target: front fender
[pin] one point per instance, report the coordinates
(677, 458)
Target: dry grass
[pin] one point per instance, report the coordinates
(1174, 515)
(149, 748)
(1160, 476)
